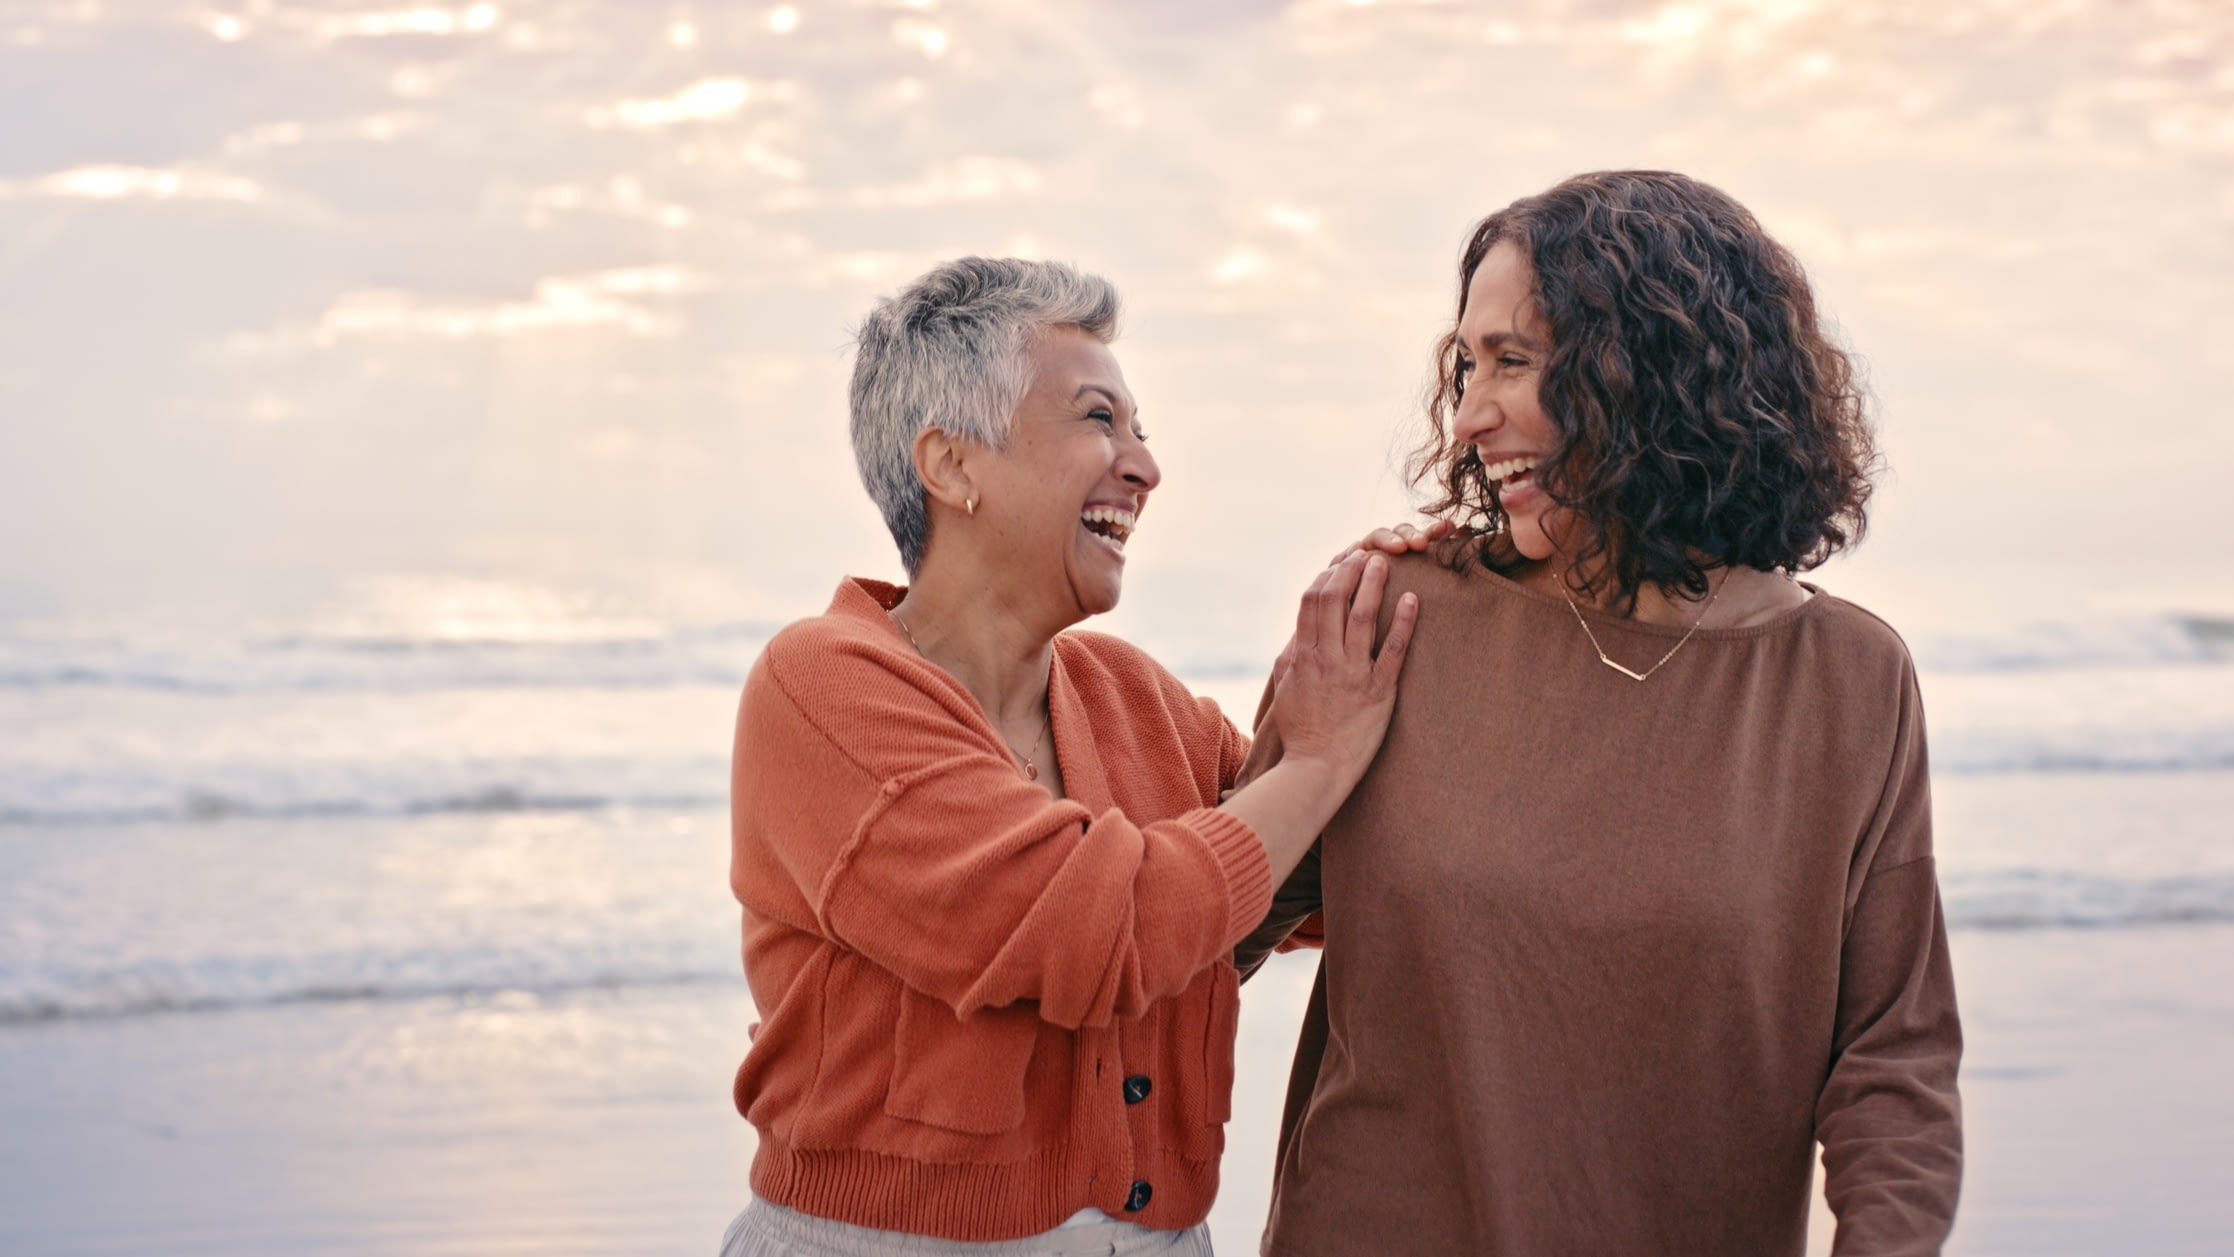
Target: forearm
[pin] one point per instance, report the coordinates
(1288, 805)
(1889, 1118)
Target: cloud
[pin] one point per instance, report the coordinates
(380, 128)
(968, 179)
(1119, 103)
(622, 196)
(708, 100)
(930, 40)
(610, 300)
(1240, 265)
(425, 20)
(138, 183)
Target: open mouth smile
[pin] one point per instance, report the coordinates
(1112, 524)
(1512, 473)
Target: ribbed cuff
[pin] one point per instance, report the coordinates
(1248, 871)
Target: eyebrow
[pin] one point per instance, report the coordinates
(1114, 400)
(1493, 340)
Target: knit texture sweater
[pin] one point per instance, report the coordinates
(1605, 960)
(984, 1009)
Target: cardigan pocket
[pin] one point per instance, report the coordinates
(957, 1073)
(1217, 1044)
(1197, 1063)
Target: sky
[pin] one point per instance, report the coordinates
(319, 310)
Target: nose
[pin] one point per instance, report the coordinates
(1137, 467)
(1476, 417)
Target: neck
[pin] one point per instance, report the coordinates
(983, 637)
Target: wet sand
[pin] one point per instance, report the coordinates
(597, 1122)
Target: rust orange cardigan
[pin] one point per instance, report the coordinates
(984, 1009)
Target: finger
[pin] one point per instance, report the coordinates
(1334, 601)
(1307, 615)
(1365, 610)
(1390, 661)
(1385, 540)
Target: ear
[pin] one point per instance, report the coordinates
(942, 462)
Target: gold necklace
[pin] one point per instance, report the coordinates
(1607, 660)
(1047, 727)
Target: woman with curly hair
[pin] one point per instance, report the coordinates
(1637, 904)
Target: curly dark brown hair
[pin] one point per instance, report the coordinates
(1705, 418)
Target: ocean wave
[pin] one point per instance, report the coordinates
(89, 792)
(2032, 899)
(2163, 640)
(2003, 900)
(709, 655)
(139, 794)
(1988, 752)
(223, 983)
(721, 654)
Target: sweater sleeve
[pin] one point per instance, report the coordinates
(914, 841)
(1294, 920)
(1889, 1118)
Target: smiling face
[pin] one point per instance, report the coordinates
(1502, 345)
(1064, 494)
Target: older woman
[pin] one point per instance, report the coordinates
(1637, 904)
(990, 889)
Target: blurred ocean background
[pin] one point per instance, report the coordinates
(392, 817)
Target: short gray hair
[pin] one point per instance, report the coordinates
(951, 352)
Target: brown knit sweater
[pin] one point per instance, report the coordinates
(1605, 959)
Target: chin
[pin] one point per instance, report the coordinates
(1100, 602)
(1530, 536)
(1531, 542)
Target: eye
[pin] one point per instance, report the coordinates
(1511, 361)
(1102, 415)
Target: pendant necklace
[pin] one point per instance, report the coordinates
(1608, 660)
(1047, 730)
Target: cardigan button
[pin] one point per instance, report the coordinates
(1138, 1200)
(1137, 1088)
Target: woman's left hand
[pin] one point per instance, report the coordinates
(1402, 539)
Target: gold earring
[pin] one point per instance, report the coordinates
(972, 506)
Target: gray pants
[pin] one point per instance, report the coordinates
(765, 1230)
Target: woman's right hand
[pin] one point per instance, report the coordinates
(1400, 539)
(1334, 695)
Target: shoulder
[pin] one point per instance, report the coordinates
(1458, 598)
(835, 656)
(821, 637)
(1858, 634)
(1434, 575)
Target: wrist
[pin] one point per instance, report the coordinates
(1313, 775)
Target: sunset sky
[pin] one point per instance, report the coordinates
(316, 310)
